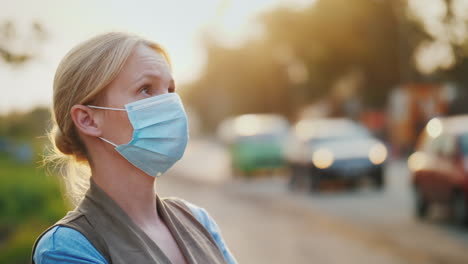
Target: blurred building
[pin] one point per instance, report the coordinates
(410, 107)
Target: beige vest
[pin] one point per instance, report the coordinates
(119, 240)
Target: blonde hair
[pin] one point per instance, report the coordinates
(80, 78)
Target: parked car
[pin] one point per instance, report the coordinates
(255, 141)
(334, 149)
(440, 167)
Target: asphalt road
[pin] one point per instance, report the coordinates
(263, 222)
(383, 219)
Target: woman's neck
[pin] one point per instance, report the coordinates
(130, 188)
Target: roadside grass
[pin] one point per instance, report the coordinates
(30, 201)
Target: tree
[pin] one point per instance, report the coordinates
(9, 39)
(300, 56)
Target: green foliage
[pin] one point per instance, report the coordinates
(325, 41)
(9, 36)
(25, 192)
(25, 126)
(17, 248)
(29, 202)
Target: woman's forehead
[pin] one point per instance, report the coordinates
(145, 60)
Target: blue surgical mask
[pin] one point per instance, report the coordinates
(160, 133)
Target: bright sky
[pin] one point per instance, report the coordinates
(176, 24)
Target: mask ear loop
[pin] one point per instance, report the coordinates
(106, 108)
(105, 140)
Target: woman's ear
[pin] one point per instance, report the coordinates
(85, 120)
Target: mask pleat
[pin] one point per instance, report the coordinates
(152, 164)
(159, 123)
(172, 128)
(160, 146)
(142, 119)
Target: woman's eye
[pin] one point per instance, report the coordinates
(171, 89)
(146, 89)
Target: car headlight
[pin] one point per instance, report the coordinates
(434, 127)
(323, 158)
(378, 153)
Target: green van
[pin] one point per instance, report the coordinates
(255, 141)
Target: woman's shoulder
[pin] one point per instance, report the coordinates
(202, 215)
(64, 244)
(199, 212)
(210, 224)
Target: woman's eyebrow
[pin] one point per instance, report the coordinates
(151, 75)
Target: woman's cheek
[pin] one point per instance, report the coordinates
(126, 129)
(118, 128)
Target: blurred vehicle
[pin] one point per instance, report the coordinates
(440, 167)
(334, 149)
(255, 141)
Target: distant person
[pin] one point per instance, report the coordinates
(119, 125)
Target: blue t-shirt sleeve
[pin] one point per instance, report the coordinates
(206, 220)
(66, 245)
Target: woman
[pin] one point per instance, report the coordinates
(116, 112)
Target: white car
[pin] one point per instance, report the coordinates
(331, 149)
